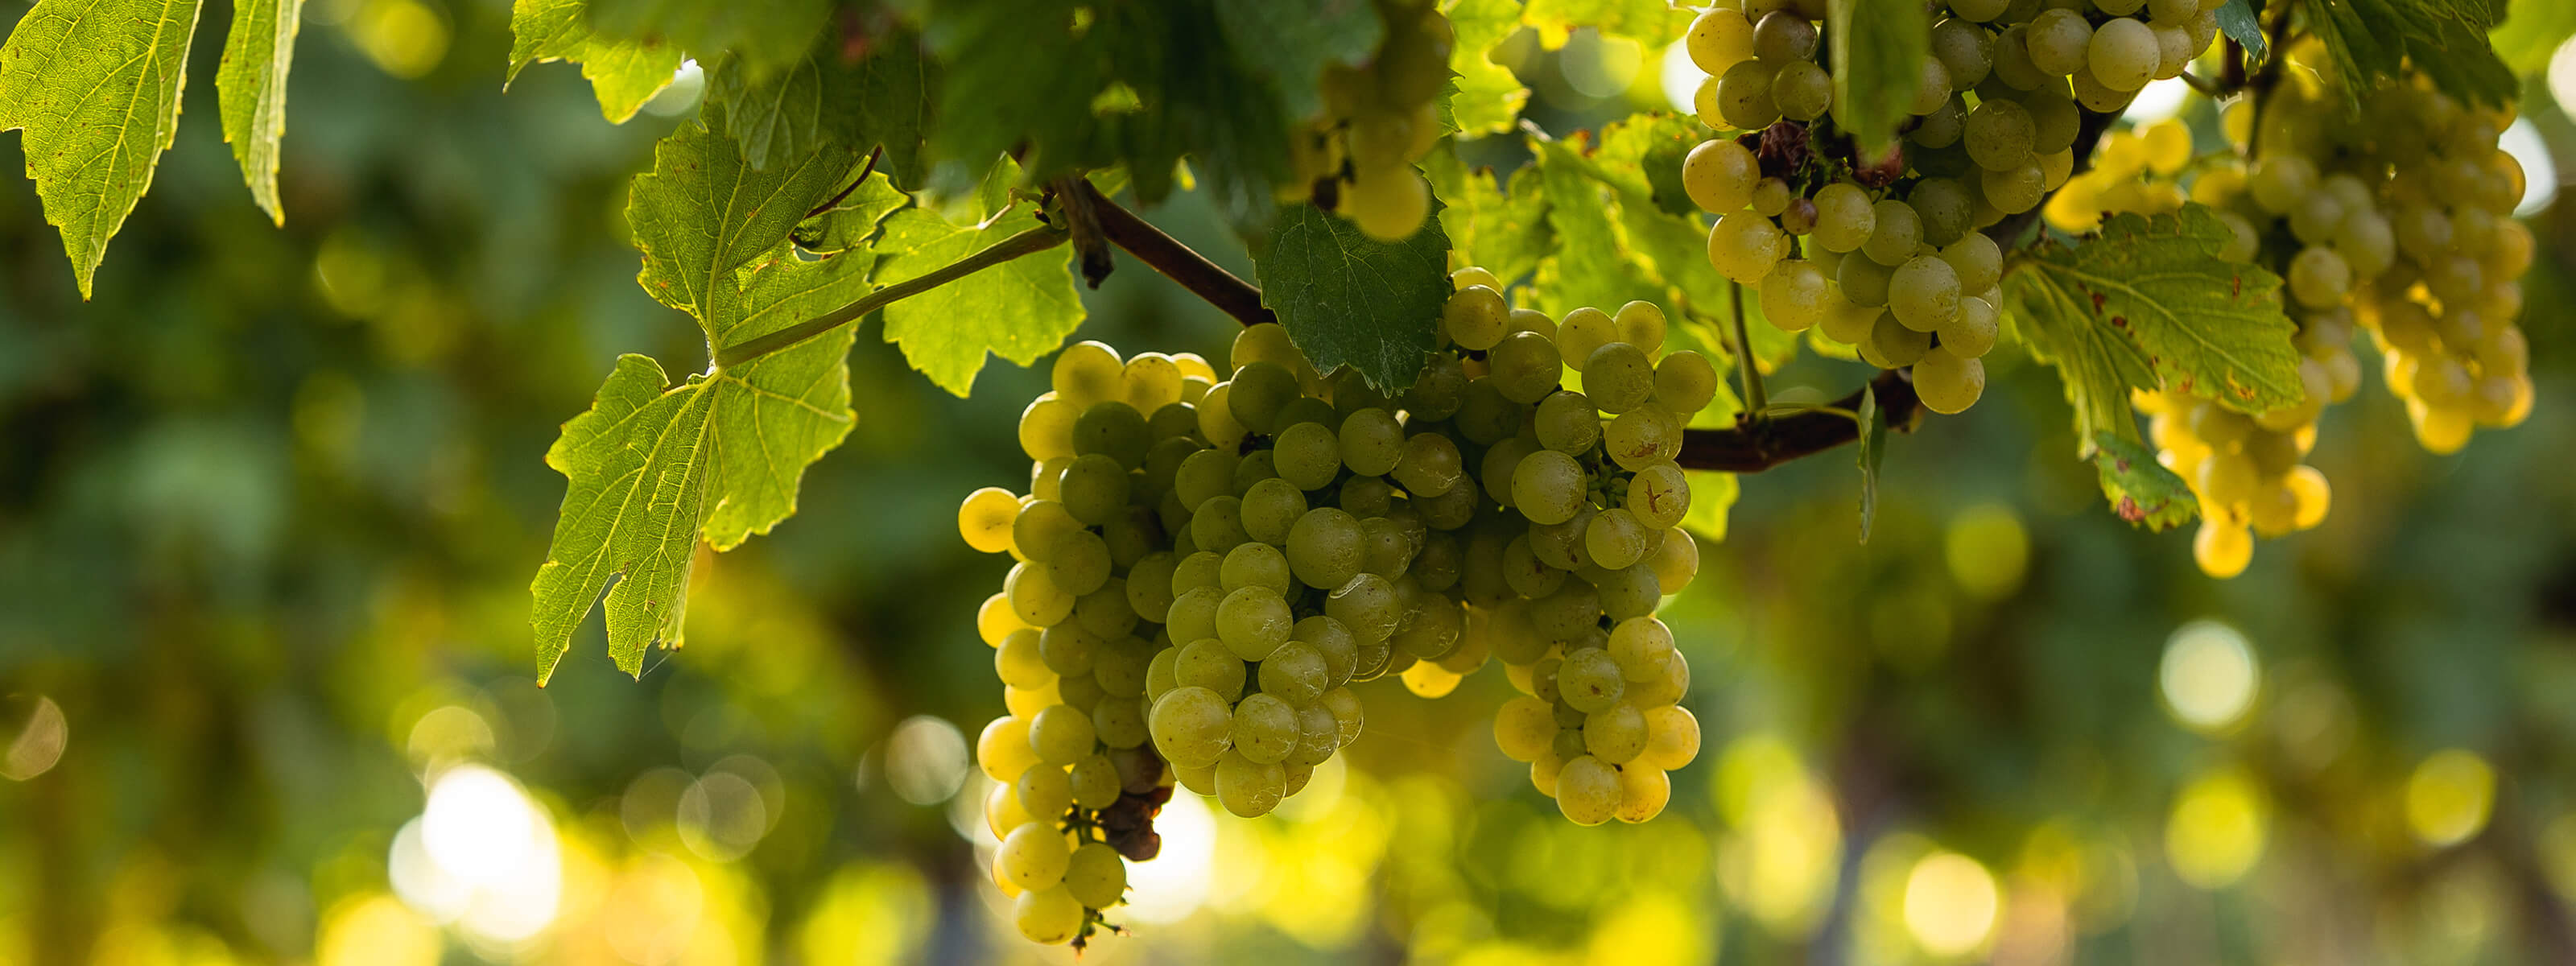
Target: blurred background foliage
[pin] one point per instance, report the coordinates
(268, 507)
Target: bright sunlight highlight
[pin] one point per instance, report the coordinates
(481, 857)
(1950, 903)
(2449, 797)
(2209, 676)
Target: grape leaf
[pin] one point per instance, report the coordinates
(2097, 364)
(1290, 44)
(1651, 23)
(1487, 96)
(768, 36)
(877, 97)
(1876, 47)
(95, 83)
(651, 464)
(1504, 230)
(2210, 327)
(1873, 451)
(623, 74)
(1348, 299)
(1019, 310)
(2532, 33)
(2141, 490)
(702, 212)
(1592, 263)
(2236, 18)
(2373, 40)
(853, 221)
(251, 91)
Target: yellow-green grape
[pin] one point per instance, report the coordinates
(2319, 278)
(1035, 598)
(1253, 622)
(1087, 373)
(1474, 275)
(1893, 346)
(1346, 710)
(1046, 428)
(1430, 465)
(1590, 680)
(1615, 734)
(1544, 772)
(1794, 295)
(1255, 565)
(1002, 749)
(1041, 527)
(1524, 727)
(1388, 205)
(1525, 366)
(1265, 728)
(1643, 792)
(1206, 663)
(1685, 382)
(1640, 646)
(2014, 190)
(1048, 916)
(1659, 495)
(1744, 246)
(1802, 90)
(1548, 487)
(1948, 383)
(1618, 377)
(1719, 39)
(1924, 293)
(994, 621)
(2123, 54)
(1018, 663)
(1675, 561)
(1476, 317)
(1567, 423)
(1584, 330)
(1641, 324)
(2222, 548)
(1719, 176)
(1192, 726)
(1587, 790)
(1972, 333)
(1898, 232)
(1061, 735)
(1033, 856)
(1045, 790)
(1150, 382)
(1845, 217)
(1744, 96)
(1367, 606)
(1248, 788)
(1615, 538)
(2058, 40)
(1002, 811)
(1999, 135)
(1324, 548)
(1095, 876)
(1642, 437)
(1672, 738)
(985, 519)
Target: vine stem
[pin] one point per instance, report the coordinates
(1031, 241)
(1165, 254)
(1755, 400)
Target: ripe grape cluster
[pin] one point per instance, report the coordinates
(1379, 118)
(2397, 222)
(1204, 568)
(1883, 252)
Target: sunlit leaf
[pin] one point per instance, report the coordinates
(95, 83)
(2208, 326)
(2141, 490)
(1019, 310)
(1348, 299)
(251, 90)
(622, 73)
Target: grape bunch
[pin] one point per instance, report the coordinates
(1203, 569)
(1883, 251)
(1378, 119)
(2365, 222)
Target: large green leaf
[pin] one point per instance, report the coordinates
(1019, 310)
(2141, 490)
(652, 464)
(1488, 96)
(95, 83)
(251, 90)
(2532, 33)
(766, 35)
(1503, 230)
(880, 96)
(1289, 44)
(1651, 23)
(2096, 363)
(1348, 299)
(702, 212)
(622, 73)
(1877, 47)
(2209, 326)
(2374, 40)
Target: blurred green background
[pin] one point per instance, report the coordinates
(269, 506)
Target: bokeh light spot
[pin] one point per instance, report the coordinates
(1950, 903)
(404, 37)
(1988, 551)
(2449, 797)
(2217, 829)
(1176, 882)
(39, 744)
(925, 760)
(2209, 676)
(375, 930)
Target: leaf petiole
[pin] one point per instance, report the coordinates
(1028, 242)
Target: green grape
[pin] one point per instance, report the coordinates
(1094, 783)
(1642, 437)
(1192, 726)
(2054, 119)
(1523, 728)
(1248, 788)
(1366, 606)
(1618, 377)
(1094, 488)
(1086, 373)
(1002, 748)
(1150, 382)
(1939, 129)
(1044, 478)
(1948, 383)
(1061, 735)
(1270, 508)
(1845, 217)
(1197, 778)
(2123, 54)
(1560, 545)
(1046, 428)
(1253, 621)
(1018, 663)
(1615, 539)
(2014, 190)
(1584, 330)
(1999, 135)
(1719, 175)
(1525, 367)
(1437, 392)
(1615, 734)
(1685, 382)
(1324, 547)
(1892, 345)
(1296, 673)
(1119, 665)
(1193, 613)
(2090, 93)
(1386, 548)
(1367, 496)
(1389, 204)
(1802, 91)
(1106, 612)
(1254, 467)
(1096, 877)
(1923, 293)
(1631, 591)
(1794, 295)
(1547, 487)
(1033, 856)
(2059, 41)
(1659, 495)
(1259, 391)
(1206, 663)
(1744, 246)
(1318, 736)
(1672, 737)
(1217, 424)
(2315, 217)
(2319, 279)
(1972, 333)
(1943, 207)
(1526, 574)
(1641, 324)
(1430, 465)
(1308, 455)
(1333, 642)
(1041, 527)
(1218, 524)
(1966, 50)
(1270, 344)
(1744, 96)
(1719, 39)
(1255, 565)
(1265, 728)
(1770, 197)
(1782, 36)
(1476, 317)
(1567, 423)
(1589, 680)
(1115, 429)
(1199, 569)
(1587, 790)
(1035, 598)
(986, 517)
(1484, 416)
(1047, 916)
(1898, 233)
(1976, 260)
(1204, 475)
(1675, 562)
